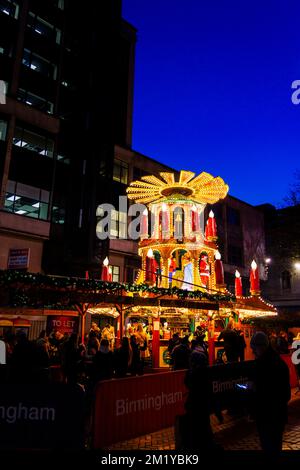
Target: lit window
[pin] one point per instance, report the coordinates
(120, 172)
(3, 128)
(63, 159)
(43, 28)
(61, 4)
(33, 142)
(34, 100)
(9, 8)
(39, 64)
(27, 200)
(58, 215)
(115, 273)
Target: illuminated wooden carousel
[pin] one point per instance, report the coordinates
(176, 249)
(179, 248)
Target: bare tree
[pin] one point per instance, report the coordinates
(293, 197)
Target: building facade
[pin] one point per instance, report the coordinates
(68, 77)
(283, 251)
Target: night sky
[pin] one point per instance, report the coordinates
(213, 90)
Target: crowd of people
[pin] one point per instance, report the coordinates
(96, 358)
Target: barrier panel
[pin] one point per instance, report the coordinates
(41, 416)
(133, 406)
(130, 407)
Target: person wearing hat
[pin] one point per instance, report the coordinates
(272, 393)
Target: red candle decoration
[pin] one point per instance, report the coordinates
(212, 223)
(219, 270)
(254, 279)
(238, 284)
(104, 273)
(144, 225)
(207, 230)
(109, 274)
(86, 274)
(195, 219)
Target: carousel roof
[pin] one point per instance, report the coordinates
(204, 188)
(255, 306)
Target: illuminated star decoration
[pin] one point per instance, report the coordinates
(203, 189)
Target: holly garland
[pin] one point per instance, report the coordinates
(21, 279)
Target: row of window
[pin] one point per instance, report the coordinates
(30, 201)
(36, 101)
(41, 27)
(39, 64)
(27, 200)
(33, 142)
(121, 172)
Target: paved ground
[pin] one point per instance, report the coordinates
(233, 434)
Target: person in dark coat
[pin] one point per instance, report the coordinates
(231, 342)
(241, 344)
(193, 430)
(123, 358)
(271, 395)
(136, 364)
(103, 362)
(181, 355)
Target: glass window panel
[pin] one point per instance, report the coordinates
(43, 210)
(45, 195)
(33, 142)
(9, 8)
(115, 273)
(25, 200)
(39, 64)
(35, 100)
(120, 172)
(3, 129)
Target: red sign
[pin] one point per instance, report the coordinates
(62, 323)
(18, 259)
(134, 406)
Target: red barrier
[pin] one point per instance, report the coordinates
(292, 369)
(130, 407)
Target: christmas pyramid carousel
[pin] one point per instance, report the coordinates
(177, 247)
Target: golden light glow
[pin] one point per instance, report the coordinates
(203, 188)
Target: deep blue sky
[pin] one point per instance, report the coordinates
(213, 90)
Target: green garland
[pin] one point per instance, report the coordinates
(20, 279)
